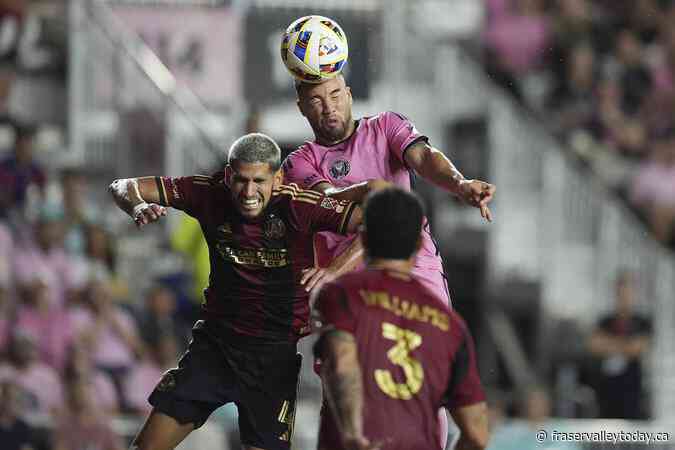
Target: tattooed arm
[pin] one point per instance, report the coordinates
(341, 377)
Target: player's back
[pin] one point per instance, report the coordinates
(407, 340)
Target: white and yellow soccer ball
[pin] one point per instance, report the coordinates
(314, 49)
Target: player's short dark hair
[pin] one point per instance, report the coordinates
(393, 222)
(256, 148)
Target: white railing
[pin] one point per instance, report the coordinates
(122, 94)
(556, 224)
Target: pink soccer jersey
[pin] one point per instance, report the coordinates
(374, 151)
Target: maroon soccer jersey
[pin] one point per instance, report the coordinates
(416, 355)
(254, 284)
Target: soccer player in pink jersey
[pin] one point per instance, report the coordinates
(386, 146)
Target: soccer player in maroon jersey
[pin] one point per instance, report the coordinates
(392, 352)
(259, 234)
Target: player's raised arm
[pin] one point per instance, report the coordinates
(356, 192)
(432, 165)
(139, 198)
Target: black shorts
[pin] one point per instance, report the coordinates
(261, 378)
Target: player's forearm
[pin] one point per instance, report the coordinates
(348, 260)
(129, 193)
(439, 170)
(345, 396)
(357, 192)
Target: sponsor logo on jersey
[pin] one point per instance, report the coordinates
(339, 169)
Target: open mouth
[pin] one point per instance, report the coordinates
(250, 204)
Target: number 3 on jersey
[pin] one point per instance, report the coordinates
(399, 354)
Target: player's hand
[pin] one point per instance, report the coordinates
(315, 277)
(145, 213)
(478, 194)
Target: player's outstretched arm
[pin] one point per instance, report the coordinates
(314, 277)
(432, 165)
(139, 198)
(473, 424)
(356, 192)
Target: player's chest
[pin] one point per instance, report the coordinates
(347, 165)
(263, 243)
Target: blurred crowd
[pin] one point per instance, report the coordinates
(601, 74)
(76, 346)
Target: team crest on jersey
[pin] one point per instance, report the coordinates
(168, 381)
(339, 169)
(224, 233)
(274, 227)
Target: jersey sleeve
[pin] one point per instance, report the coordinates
(190, 194)
(314, 212)
(400, 133)
(464, 387)
(300, 168)
(332, 312)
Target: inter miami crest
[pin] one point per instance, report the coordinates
(274, 227)
(339, 169)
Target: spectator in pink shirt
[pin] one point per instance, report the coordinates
(653, 189)
(47, 323)
(39, 382)
(81, 425)
(520, 38)
(110, 334)
(44, 256)
(145, 376)
(79, 365)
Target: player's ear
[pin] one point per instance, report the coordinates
(278, 178)
(349, 94)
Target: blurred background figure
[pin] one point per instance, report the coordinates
(109, 334)
(39, 383)
(80, 425)
(160, 357)
(619, 342)
(15, 433)
(159, 318)
(19, 173)
(79, 366)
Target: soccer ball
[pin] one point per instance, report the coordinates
(314, 49)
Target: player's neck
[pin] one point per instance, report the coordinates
(403, 266)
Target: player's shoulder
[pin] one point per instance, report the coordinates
(302, 154)
(214, 180)
(292, 193)
(387, 116)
